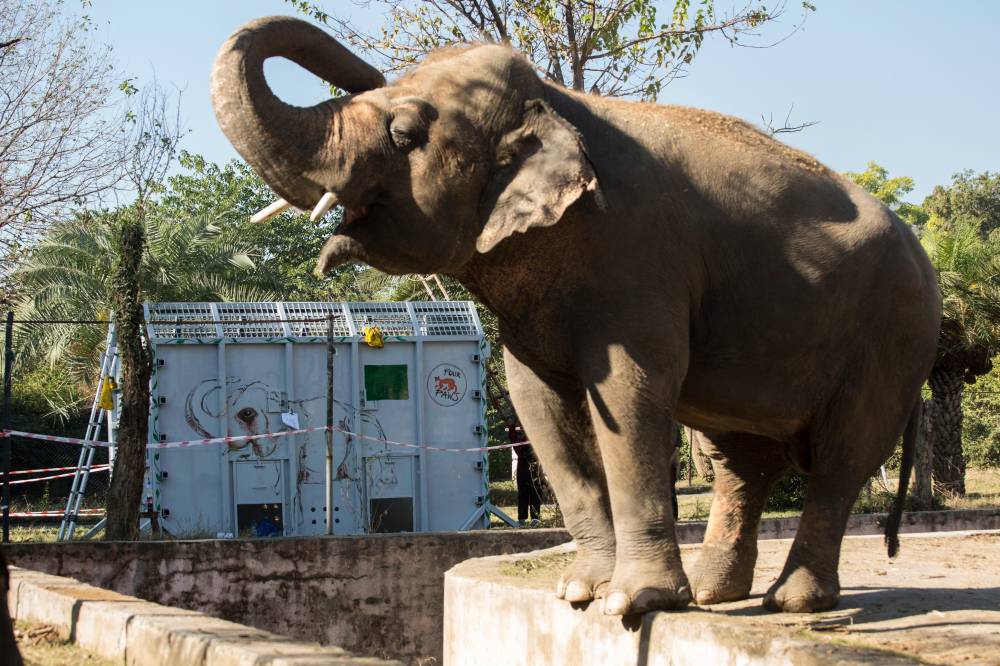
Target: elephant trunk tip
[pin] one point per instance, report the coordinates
(339, 249)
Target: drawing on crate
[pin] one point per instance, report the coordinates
(254, 407)
(446, 384)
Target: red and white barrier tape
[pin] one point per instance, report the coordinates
(426, 447)
(96, 468)
(246, 438)
(18, 472)
(46, 514)
(162, 445)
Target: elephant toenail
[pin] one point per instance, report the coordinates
(616, 603)
(704, 597)
(577, 591)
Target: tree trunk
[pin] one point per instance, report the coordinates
(702, 463)
(125, 492)
(923, 464)
(947, 383)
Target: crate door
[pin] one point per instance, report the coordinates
(259, 491)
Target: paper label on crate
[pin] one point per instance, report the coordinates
(290, 419)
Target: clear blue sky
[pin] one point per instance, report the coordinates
(913, 85)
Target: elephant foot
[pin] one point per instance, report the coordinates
(643, 587)
(722, 574)
(586, 578)
(801, 591)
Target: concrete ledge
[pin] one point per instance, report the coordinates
(938, 603)
(381, 595)
(142, 633)
(914, 522)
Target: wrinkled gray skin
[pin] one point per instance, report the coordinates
(646, 262)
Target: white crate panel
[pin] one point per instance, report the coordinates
(260, 359)
(268, 322)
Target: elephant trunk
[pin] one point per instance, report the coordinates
(339, 249)
(287, 145)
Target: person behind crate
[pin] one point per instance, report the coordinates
(529, 479)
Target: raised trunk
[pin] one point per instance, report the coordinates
(125, 492)
(287, 145)
(947, 383)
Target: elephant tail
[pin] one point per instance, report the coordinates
(906, 466)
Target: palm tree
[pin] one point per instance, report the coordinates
(969, 273)
(67, 276)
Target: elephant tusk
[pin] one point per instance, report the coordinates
(270, 210)
(326, 202)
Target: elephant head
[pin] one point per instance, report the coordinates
(448, 160)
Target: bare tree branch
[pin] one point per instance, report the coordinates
(615, 47)
(59, 141)
(786, 127)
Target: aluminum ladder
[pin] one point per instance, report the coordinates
(109, 370)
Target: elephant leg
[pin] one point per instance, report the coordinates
(556, 421)
(746, 468)
(632, 416)
(809, 582)
(847, 446)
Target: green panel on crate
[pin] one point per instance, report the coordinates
(386, 382)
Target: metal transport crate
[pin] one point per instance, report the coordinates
(230, 369)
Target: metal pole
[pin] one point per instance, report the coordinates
(8, 362)
(329, 424)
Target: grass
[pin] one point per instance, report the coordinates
(982, 488)
(41, 645)
(31, 533)
(694, 500)
(538, 566)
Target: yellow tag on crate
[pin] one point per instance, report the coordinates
(373, 337)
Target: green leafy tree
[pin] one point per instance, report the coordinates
(891, 191)
(981, 421)
(615, 47)
(284, 247)
(970, 196)
(68, 276)
(969, 272)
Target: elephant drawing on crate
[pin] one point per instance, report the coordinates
(645, 263)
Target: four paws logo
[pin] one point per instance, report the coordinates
(446, 385)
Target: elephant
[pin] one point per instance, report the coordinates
(8, 640)
(647, 263)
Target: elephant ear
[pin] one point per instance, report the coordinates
(542, 168)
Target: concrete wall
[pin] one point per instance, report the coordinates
(379, 595)
(125, 630)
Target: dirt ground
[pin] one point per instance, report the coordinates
(41, 645)
(937, 602)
